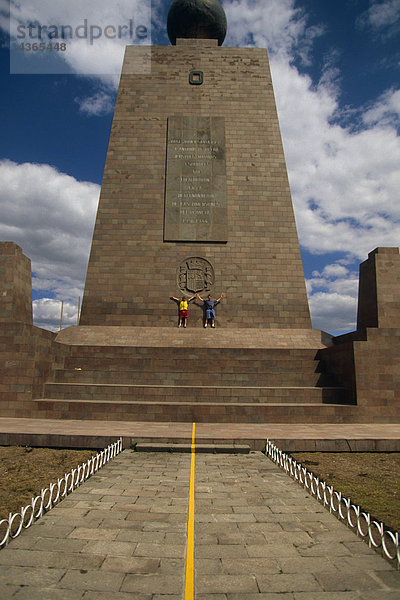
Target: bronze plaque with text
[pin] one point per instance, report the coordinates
(195, 189)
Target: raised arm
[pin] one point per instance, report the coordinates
(173, 298)
(192, 298)
(220, 298)
(199, 297)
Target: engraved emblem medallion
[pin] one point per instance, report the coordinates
(195, 274)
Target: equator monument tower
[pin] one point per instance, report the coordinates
(195, 196)
(195, 199)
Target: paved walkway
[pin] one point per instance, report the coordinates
(258, 536)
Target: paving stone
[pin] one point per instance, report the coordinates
(388, 578)
(7, 590)
(304, 582)
(212, 526)
(309, 527)
(140, 515)
(115, 596)
(357, 547)
(88, 504)
(40, 593)
(274, 550)
(380, 595)
(99, 513)
(211, 597)
(36, 576)
(347, 581)
(221, 551)
(110, 548)
(34, 558)
(149, 537)
(124, 564)
(211, 584)
(261, 596)
(160, 550)
(49, 529)
(209, 566)
(85, 533)
(332, 596)
(324, 549)
(170, 565)
(167, 597)
(308, 564)
(72, 523)
(153, 584)
(240, 538)
(253, 566)
(95, 580)
(362, 562)
(59, 544)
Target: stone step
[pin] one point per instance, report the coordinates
(199, 448)
(163, 393)
(217, 412)
(277, 377)
(105, 337)
(181, 349)
(193, 363)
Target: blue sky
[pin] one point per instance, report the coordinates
(336, 73)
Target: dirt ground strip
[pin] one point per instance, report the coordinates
(371, 480)
(24, 471)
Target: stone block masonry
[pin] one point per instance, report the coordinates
(247, 246)
(379, 302)
(16, 285)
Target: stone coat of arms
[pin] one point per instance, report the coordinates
(195, 274)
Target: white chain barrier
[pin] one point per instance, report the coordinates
(374, 533)
(11, 528)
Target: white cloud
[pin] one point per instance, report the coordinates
(51, 216)
(385, 112)
(100, 103)
(275, 24)
(333, 312)
(333, 270)
(345, 182)
(95, 34)
(381, 15)
(50, 314)
(333, 295)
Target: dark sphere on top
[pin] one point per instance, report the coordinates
(196, 19)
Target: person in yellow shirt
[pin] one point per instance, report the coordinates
(183, 309)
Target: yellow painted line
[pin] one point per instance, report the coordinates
(189, 577)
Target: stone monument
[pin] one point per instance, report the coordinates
(195, 198)
(195, 194)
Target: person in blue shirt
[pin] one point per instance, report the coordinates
(209, 305)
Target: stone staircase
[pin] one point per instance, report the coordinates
(163, 374)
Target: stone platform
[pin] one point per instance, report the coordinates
(168, 337)
(326, 437)
(208, 375)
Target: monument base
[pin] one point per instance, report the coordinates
(223, 375)
(183, 375)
